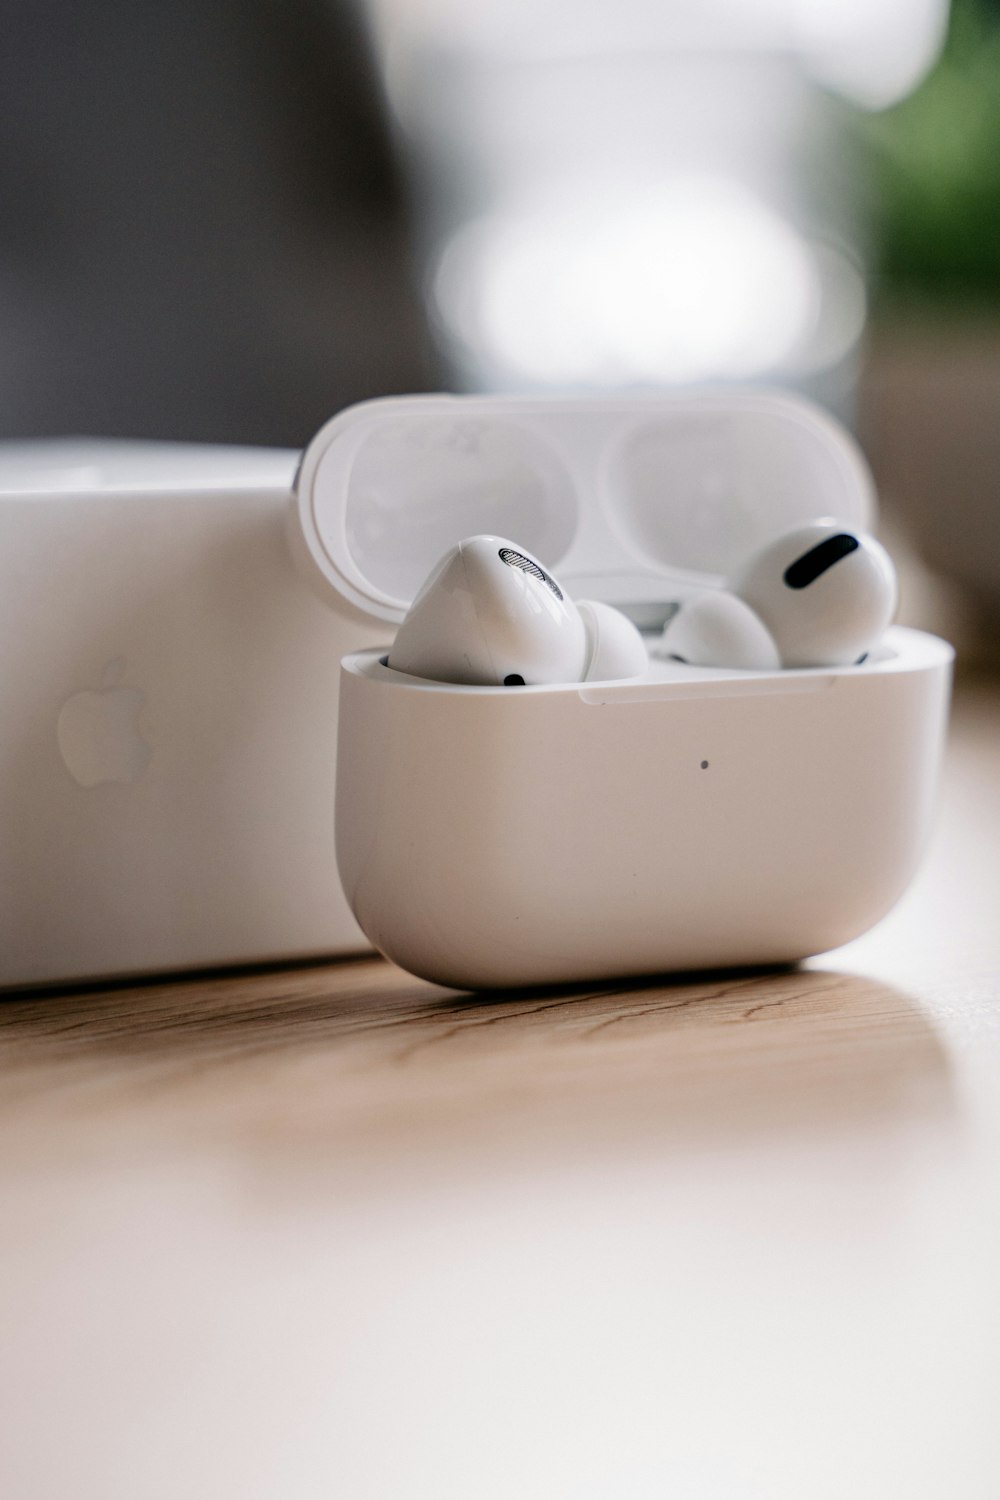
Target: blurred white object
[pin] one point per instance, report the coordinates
(645, 195)
(692, 281)
(873, 51)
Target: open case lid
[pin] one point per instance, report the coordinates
(635, 501)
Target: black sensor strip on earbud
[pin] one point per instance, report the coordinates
(807, 568)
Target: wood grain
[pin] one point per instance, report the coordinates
(359, 1053)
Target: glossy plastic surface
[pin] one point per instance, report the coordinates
(489, 612)
(695, 818)
(817, 612)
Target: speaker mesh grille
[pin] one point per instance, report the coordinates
(528, 565)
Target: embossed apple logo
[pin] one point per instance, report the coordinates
(98, 731)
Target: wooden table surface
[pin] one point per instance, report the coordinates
(334, 1232)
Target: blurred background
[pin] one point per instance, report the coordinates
(224, 220)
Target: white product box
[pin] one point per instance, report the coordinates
(168, 715)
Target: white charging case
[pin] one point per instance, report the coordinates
(691, 818)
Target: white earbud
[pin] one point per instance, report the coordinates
(615, 649)
(491, 614)
(716, 629)
(818, 596)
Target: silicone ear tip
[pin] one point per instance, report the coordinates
(615, 649)
(719, 630)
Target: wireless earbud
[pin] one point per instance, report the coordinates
(491, 614)
(825, 593)
(717, 629)
(818, 596)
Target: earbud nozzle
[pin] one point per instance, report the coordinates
(615, 649)
(718, 630)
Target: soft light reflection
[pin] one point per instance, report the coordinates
(696, 280)
(873, 51)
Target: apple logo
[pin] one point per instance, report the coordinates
(98, 731)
